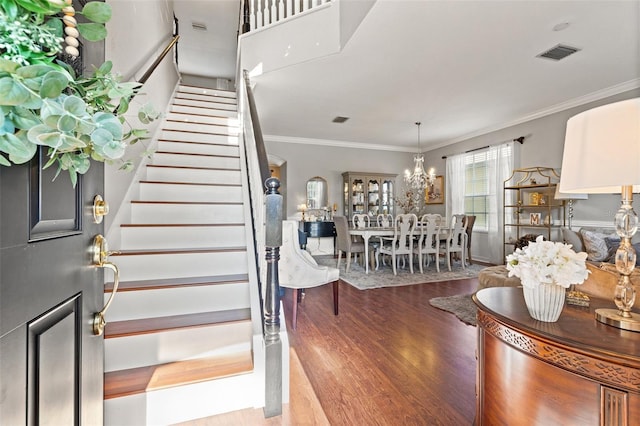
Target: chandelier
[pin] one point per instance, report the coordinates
(419, 179)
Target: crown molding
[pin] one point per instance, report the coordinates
(336, 143)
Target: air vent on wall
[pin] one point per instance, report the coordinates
(339, 119)
(558, 52)
(199, 26)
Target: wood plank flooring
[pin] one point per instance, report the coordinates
(389, 358)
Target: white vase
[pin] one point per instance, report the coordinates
(544, 302)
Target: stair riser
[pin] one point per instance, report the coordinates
(195, 161)
(183, 403)
(225, 94)
(221, 121)
(218, 106)
(182, 237)
(179, 136)
(206, 98)
(177, 301)
(177, 345)
(195, 126)
(203, 111)
(173, 192)
(168, 174)
(191, 147)
(186, 213)
(156, 266)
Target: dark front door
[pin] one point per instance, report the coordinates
(51, 363)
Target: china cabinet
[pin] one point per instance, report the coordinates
(530, 206)
(368, 193)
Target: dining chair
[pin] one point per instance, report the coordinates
(469, 221)
(429, 242)
(298, 270)
(385, 220)
(455, 241)
(344, 243)
(402, 241)
(360, 220)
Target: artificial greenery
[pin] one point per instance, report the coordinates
(44, 103)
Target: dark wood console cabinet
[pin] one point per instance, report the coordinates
(575, 371)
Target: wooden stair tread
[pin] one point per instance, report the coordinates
(229, 169)
(232, 93)
(180, 94)
(200, 115)
(173, 120)
(199, 133)
(209, 107)
(170, 182)
(144, 379)
(229, 203)
(178, 251)
(198, 155)
(198, 143)
(154, 284)
(156, 325)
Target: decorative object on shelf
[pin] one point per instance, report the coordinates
(534, 218)
(534, 198)
(601, 152)
(419, 179)
(547, 220)
(435, 191)
(45, 104)
(569, 197)
(546, 269)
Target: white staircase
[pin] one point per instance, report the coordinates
(179, 337)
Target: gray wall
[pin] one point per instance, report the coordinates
(543, 146)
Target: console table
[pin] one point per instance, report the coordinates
(319, 229)
(575, 371)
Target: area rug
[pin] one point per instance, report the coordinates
(384, 277)
(461, 305)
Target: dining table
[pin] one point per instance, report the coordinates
(378, 231)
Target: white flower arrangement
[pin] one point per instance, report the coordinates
(548, 262)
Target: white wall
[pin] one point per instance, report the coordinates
(137, 32)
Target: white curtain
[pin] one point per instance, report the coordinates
(500, 164)
(455, 185)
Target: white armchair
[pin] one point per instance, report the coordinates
(297, 269)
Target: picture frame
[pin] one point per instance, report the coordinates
(434, 193)
(534, 198)
(535, 218)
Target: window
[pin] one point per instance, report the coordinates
(478, 188)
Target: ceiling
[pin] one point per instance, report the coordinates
(462, 68)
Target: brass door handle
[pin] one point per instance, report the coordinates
(100, 209)
(100, 258)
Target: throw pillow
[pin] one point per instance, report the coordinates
(613, 243)
(594, 245)
(573, 238)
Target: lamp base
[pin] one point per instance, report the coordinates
(612, 318)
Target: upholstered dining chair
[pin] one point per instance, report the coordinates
(344, 243)
(469, 220)
(402, 241)
(429, 242)
(455, 241)
(298, 270)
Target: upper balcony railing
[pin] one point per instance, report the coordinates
(262, 13)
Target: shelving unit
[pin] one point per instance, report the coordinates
(530, 206)
(368, 193)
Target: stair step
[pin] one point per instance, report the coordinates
(218, 93)
(186, 213)
(192, 174)
(210, 104)
(177, 300)
(201, 126)
(197, 147)
(202, 119)
(161, 264)
(145, 379)
(181, 236)
(202, 137)
(137, 285)
(188, 191)
(159, 324)
(195, 160)
(196, 110)
(206, 98)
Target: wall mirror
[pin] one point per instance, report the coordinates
(317, 193)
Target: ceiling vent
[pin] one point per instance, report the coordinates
(199, 26)
(339, 119)
(558, 52)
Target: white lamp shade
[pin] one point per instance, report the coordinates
(565, 196)
(602, 150)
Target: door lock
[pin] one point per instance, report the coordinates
(100, 257)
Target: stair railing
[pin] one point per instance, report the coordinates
(266, 211)
(262, 13)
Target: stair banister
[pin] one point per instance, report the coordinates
(159, 59)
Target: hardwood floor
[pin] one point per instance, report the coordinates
(388, 358)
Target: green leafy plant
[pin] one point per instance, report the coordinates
(44, 103)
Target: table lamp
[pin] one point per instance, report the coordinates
(602, 156)
(569, 197)
(302, 208)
